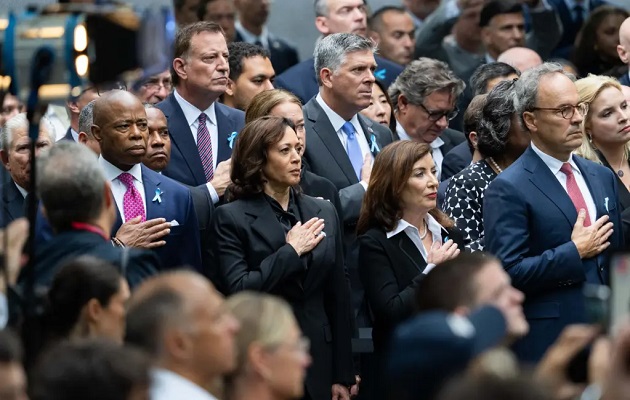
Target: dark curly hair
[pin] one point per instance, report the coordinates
(249, 155)
(496, 120)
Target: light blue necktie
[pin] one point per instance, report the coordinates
(353, 149)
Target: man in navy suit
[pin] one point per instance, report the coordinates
(623, 49)
(334, 16)
(552, 217)
(572, 14)
(251, 28)
(202, 129)
(120, 126)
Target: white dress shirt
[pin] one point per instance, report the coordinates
(436, 150)
(20, 189)
(554, 165)
(192, 113)
(412, 232)
(60, 125)
(249, 37)
(167, 385)
(118, 188)
(337, 122)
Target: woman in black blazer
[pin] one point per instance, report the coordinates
(271, 238)
(402, 234)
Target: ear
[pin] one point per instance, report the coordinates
(179, 65)
(321, 23)
(229, 90)
(92, 310)
(82, 138)
(474, 138)
(326, 75)
(376, 38)
(96, 132)
(73, 107)
(530, 121)
(623, 54)
(4, 155)
(402, 103)
(257, 358)
(177, 344)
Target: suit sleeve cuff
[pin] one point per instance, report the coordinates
(213, 193)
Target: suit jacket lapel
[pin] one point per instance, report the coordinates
(265, 223)
(183, 139)
(366, 125)
(595, 188)
(324, 129)
(548, 185)
(151, 186)
(310, 209)
(15, 202)
(225, 126)
(411, 251)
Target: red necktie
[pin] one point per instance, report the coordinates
(574, 192)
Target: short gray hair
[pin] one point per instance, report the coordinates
(20, 122)
(70, 184)
(330, 52)
(494, 126)
(421, 78)
(321, 8)
(526, 87)
(86, 118)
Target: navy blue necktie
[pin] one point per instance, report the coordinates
(353, 149)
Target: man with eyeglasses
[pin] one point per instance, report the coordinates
(154, 89)
(425, 97)
(552, 217)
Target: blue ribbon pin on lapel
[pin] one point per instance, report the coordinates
(158, 196)
(231, 138)
(374, 146)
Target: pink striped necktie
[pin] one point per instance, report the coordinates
(574, 192)
(204, 145)
(133, 205)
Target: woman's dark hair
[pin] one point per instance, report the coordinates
(392, 115)
(382, 205)
(76, 283)
(249, 155)
(494, 125)
(585, 56)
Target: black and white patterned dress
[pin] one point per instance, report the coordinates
(463, 201)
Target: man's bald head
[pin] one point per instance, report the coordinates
(623, 49)
(112, 99)
(520, 58)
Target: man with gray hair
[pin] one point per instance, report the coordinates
(16, 156)
(425, 97)
(333, 16)
(552, 217)
(341, 143)
(77, 202)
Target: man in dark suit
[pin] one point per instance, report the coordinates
(251, 72)
(15, 154)
(157, 158)
(202, 130)
(572, 14)
(623, 49)
(77, 202)
(425, 96)
(341, 142)
(120, 126)
(334, 16)
(223, 12)
(552, 217)
(251, 28)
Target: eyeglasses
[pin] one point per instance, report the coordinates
(567, 111)
(155, 84)
(437, 115)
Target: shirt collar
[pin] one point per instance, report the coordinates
(191, 113)
(22, 191)
(489, 58)
(167, 384)
(436, 144)
(335, 119)
(112, 172)
(250, 37)
(553, 163)
(402, 225)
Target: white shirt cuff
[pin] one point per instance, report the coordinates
(428, 268)
(452, 9)
(213, 193)
(4, 310)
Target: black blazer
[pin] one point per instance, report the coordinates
(390, 270)
(283, 54)
(316, 186)
(458, 158)
(451, 138)
(185, 165)
(13, 205)
(624, 79)
(251, 250)
(204, 209)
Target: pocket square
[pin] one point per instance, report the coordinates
(174, 223)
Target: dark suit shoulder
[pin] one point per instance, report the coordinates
(298, 70)
(455, 136)
(232, 112)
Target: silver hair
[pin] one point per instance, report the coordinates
(526, 87)
(321, 8)
(20, 122)
(330, 52)
(70, 184)
(86, 118)
(423, 77)
(493, 131)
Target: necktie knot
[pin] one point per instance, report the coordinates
(126, 178)
(202, 118)
(348, 129)
(566, 169)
